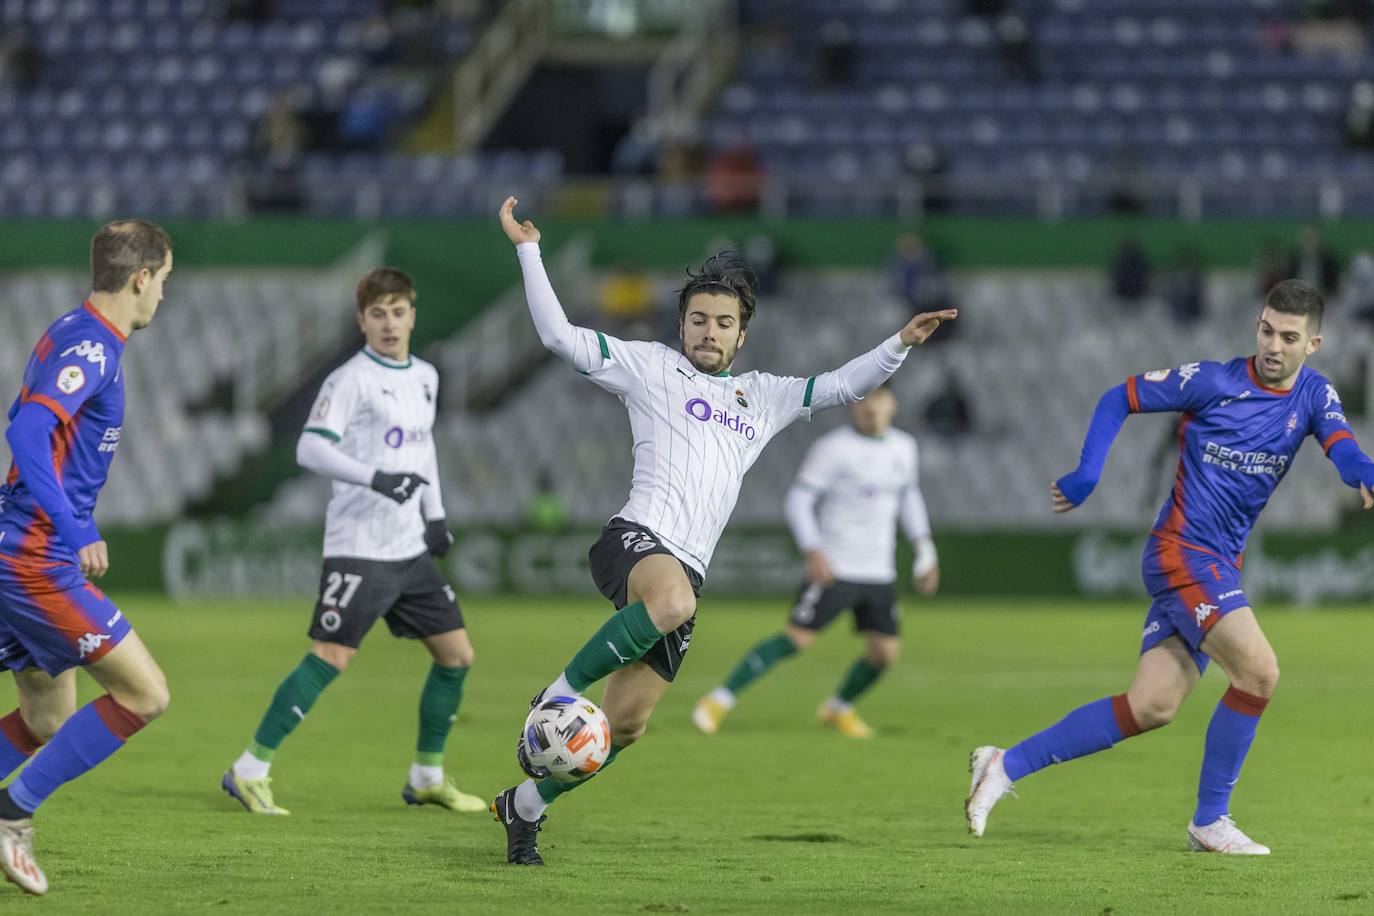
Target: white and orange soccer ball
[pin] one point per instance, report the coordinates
(566, 738)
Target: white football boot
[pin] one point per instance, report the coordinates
(1222, 835)
(989, 786)
(16, 857)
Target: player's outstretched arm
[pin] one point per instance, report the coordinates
(865, 372)
(1074, 487)
(1355, 468)
(578, 346)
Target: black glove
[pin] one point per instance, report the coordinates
(437, 537)
(397, 487)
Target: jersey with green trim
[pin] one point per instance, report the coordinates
(380, 413)
(695, 436)
(865, 485)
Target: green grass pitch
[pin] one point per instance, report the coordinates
(774, 814)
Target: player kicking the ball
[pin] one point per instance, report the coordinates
(864, 478)
(697, 429)
(1243, 422)
(371, 433)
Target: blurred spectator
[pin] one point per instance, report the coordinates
(948, 413)
(1128, 187)
(761, 253)
(626, 301)
(1129, 272)
(927, 165)
(20, 64)
(1015, 47)
(1185, 286)
(835, 55)
(1269, 266)
(1333, 27)
(1359, 115)
(366, 119)
(547, 511)
(734, 180)
(1312, 262)
(919, 279)
(277, 144)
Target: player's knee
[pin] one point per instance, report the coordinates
(671, 609)
(147, 700)
(334, 654)
(627, 731)
(884, 653)
(1261, 679)
(800, 638)
(1154, 712)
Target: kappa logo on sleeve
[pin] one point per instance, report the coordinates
(1187, 371)
(91, 351)
(1331, 397)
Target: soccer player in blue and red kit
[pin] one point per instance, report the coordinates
(63, 431)
(1242, 424)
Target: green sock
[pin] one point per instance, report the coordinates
(622, 639)
(290, 703)
(549, 789)
(860, 677)
(438, 708)
(758, 660)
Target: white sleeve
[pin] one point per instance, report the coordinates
(613, 364)
(859, 376)
(431, 497)
(334, 406)
(915, 520)
(314, 452)
(795, 398)
(800, 508)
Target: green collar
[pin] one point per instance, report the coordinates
(383, 361)
(724, 373)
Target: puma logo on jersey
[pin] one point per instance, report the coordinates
(91, 351)
(1203, 611)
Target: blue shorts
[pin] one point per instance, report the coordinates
(1191, 590)
(52, 618)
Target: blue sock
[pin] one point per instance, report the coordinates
(17, 743)
(1229, 736)
(96, 731)
(1086, 730)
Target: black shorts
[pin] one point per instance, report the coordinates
(875, 606)
(623, 544)
(410, 594)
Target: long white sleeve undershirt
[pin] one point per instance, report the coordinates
(316, 453)
(431, 496)
(915, 523)
(800, 508)
(856, 378)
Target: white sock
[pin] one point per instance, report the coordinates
(528, 802)
(724, 697)
(835, 704)
(423, 777)
(250, 767)
(560, 688)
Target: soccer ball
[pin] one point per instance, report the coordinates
(564, 738)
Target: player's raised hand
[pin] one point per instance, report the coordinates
(1058, 501)
(94, 560)
(919, 329)
(1368, 496)
(517, 232)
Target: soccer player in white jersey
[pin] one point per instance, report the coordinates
(697, 430)
(864, 478)
(371, 432)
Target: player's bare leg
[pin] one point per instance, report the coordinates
(711, 710)
(136, 694)
(45, 702)
(1164, 676)
(452, 653)
(1243, 652)
(838, 711)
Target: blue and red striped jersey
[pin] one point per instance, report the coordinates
(1237, 439)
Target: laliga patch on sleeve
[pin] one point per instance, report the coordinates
(70, 379)
(1157, 375)
(321, 409)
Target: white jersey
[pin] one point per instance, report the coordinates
(695, 435)
(379, 413)
(864, 484)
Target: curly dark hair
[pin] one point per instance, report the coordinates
(726, 273)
